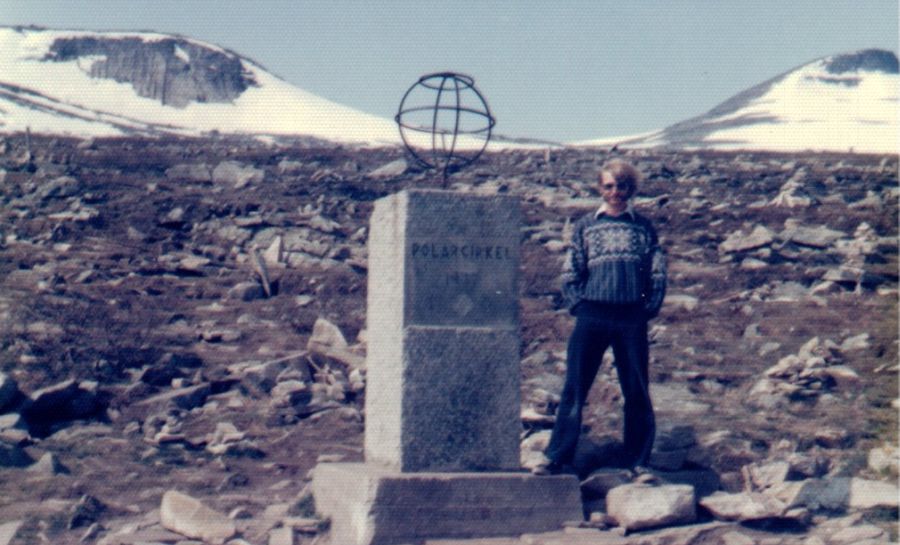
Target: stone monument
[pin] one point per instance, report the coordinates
(442, 395)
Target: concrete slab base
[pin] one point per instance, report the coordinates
(372, 505)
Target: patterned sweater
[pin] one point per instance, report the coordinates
(615, 259)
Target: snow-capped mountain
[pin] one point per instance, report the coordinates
(104, 84)
(839, 103)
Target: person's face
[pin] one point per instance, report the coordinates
(614, 192)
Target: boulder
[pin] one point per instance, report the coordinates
(58, 188)
(389, 170)
(840, 493)
(638, 506)
(682, 301)
(815, 237)
(187, 398)
(246, 291)
(763, 476)
(326, 337)
(740, 242)
(856, 342)
(48, 464)
(743, 506)
(9, 530)
(190, 517)
(237, 174)
(885, 459)
(60, 402)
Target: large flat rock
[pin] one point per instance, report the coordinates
(372, 505)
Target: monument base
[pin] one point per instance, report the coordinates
(372, 505)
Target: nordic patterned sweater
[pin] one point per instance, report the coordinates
(615, 259)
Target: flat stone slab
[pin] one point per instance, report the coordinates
(372, 505)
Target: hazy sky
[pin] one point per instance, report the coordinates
(562, 70)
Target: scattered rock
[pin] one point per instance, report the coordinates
(686, 302)
(639, 506)
(814, 237)
(743, 506)
(390, 170)
(64, 401)
(856, 342)
(237, 174)
(189, 173)
(740, 242)
(189, 517)
(885, 459)
(86, 512)
(58, 188)
(48, 464)
(246, 291)
(9, 530)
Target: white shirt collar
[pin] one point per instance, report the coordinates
(602, 210)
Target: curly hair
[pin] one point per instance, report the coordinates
(622, 172)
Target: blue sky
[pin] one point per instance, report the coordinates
(564, 70)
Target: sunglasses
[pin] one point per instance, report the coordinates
(610, 187)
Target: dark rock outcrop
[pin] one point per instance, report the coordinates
(175, 72)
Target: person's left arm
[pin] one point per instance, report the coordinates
(656, 285)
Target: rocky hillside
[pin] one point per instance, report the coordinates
(173, 71)
(188, 315)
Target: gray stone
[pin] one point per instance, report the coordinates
(638, 506)
(326, 337)
(48, 464)
(64, 186)
(246, 291)
(390, 170)
(66, 400)
(190, 172)
(743, 506)
(763, 476)
(885, 459)
(286, 166)
(236, 174)
(446, 320)
(740, 242)
(841, 493)
(370, 505)
(281, 536)
(857, 534)
(683, 301)
(856, 342)
(8, 531)
(187, 398)
(190, 517)
(816, 237)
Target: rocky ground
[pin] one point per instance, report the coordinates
(182, 328)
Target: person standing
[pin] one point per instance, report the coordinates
(614, 282)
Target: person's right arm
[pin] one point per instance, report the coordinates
(575, 269)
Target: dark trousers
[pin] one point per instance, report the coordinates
(598, 326)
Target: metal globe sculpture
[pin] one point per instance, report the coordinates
(444, 121)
